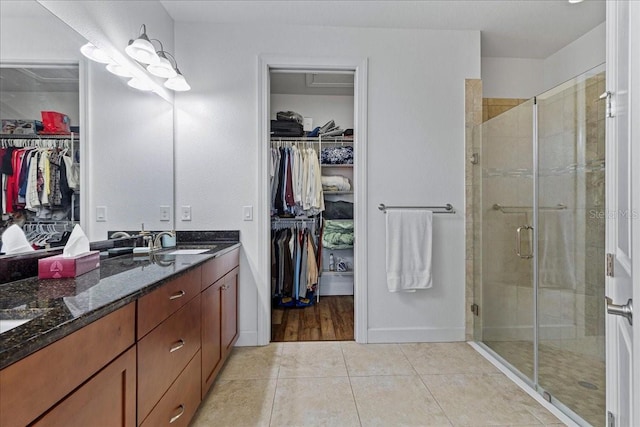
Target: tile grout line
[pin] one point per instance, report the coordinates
(353, 395)
(425, 385)
(275, 390)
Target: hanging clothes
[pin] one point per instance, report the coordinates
(38, 181)
(294, 270)
(296, 187)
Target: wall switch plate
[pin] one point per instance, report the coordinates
(247, 213)
(101, 214)
(165, 213)
(185, 213)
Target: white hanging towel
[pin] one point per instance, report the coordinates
(409, 241)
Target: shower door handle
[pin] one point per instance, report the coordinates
(625, 310)
(519, 242)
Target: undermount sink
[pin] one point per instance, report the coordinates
(188, 251)
(12, 318)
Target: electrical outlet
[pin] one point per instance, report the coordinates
(185, 213)
(165, 213)
(101, 214)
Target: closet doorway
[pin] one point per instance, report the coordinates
(312, 205)
(269, 65)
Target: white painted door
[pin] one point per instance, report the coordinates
(621, 216)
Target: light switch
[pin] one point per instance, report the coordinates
(101, 214)
(185, 213)
(165, 213)
(247, 213)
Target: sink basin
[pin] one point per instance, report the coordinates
(12, 318)
(188, 251)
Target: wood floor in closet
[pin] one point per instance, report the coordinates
(329, 320)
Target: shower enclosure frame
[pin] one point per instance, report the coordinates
(534, 380)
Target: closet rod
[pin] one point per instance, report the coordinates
(448, 208)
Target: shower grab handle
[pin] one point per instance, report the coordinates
(519, 242)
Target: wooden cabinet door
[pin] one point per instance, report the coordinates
(31, 386)
(211, 351)
(107, 399)
(229, 306)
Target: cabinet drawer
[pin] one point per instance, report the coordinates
(180, 402)
(107, 399)
(218, 267)
(59, 368)
(161, 303)
(164, 353)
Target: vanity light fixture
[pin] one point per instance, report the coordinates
(141, 49)
(163, 68)
(119, 70)
(139, 84)
(159, 63)
(177, 83)
(94, 53)
(575, 1)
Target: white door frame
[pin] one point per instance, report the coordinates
(622, 401)
(328, 64)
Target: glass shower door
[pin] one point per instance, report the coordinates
(507, 196)
(571, 346)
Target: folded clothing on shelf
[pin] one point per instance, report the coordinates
(338, 234)
(286, 128)
(337, 155)
(338, 210)
(335, 183)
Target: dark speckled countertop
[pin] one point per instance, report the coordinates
(59, 307)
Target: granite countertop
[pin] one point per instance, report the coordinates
(59, 307)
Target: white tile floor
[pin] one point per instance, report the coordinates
(349, 384)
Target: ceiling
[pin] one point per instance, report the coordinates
(509, 28)
(39, 79)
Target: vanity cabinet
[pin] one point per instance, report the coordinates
(168, 339)
(110, 396)
(219, 314)
(35, 384)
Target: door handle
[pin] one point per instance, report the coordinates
(625, 310)
(519, 242)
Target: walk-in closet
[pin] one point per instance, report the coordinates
(312, 205)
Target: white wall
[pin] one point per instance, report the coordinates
(415, 151)
(526, 78)
(574, 59)
(512, 77)
(315, 106)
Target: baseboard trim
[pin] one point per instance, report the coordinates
(399, 335)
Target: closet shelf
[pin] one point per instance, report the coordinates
(312, 139)
(39, 136)
(326, 165)
(337, 273)
(338, 192)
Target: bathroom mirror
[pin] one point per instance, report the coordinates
(126, 136)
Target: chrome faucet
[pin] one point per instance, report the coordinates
(119, 234)
(157, 242)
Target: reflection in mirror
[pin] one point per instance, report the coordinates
(126, 145)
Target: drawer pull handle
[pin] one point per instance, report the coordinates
(177, 346)
(177, 295)
(178, 415)
(225, 287)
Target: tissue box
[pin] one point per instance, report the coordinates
(57, 267)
